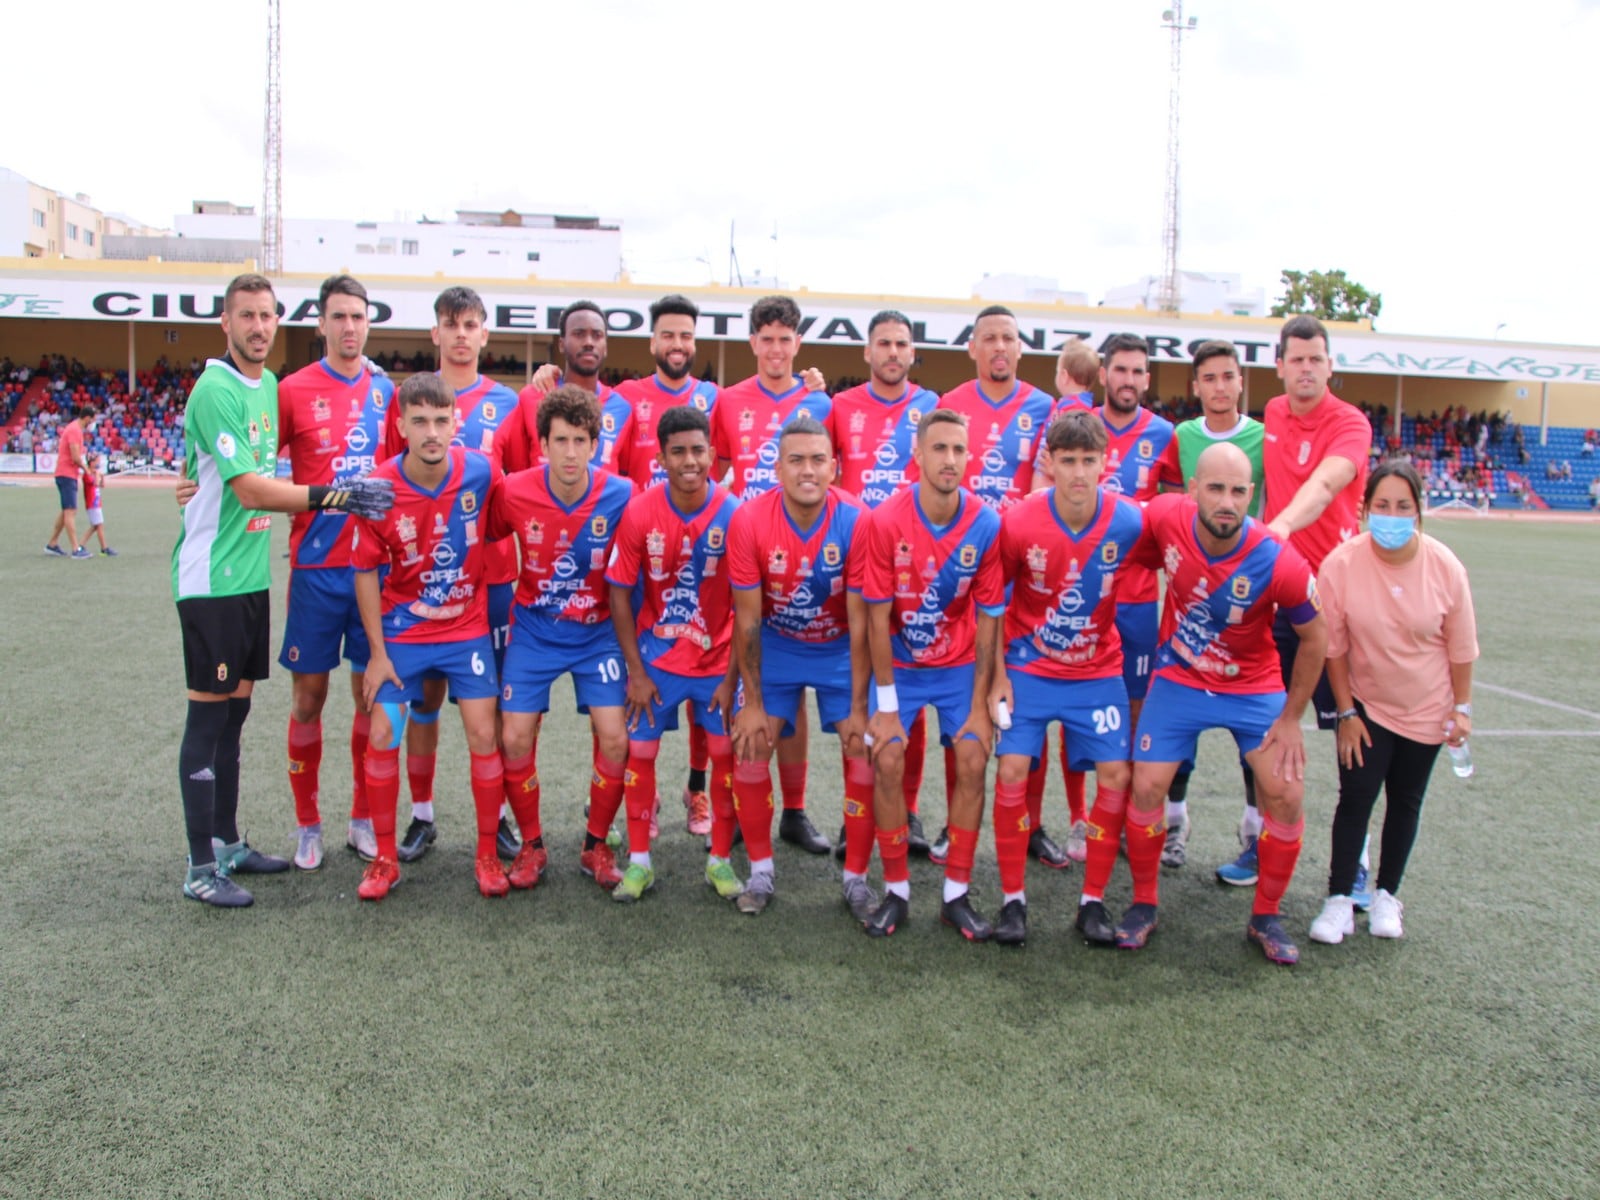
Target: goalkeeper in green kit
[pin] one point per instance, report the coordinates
(220, 579)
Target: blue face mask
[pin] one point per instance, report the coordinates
(1391, 532)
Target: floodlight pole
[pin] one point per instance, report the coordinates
(1170, 296)
(272, 153)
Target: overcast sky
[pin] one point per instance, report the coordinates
(1442, 154)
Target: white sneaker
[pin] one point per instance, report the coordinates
(362, 840)
(1175, 853)
(308, 855)
(1385, 919)
(1335, 921)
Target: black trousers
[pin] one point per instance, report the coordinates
(1399, 767)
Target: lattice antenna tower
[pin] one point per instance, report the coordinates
(272, 152)
(1170, 294)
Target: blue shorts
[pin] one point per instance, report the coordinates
(1094, 713)
(947, 689)
(322, 618)
(500, 596)
(468, 667)
(674, 690)
(789, 667)
(1174, 716)
(67, 488)
(543, 650)
(1140, 627)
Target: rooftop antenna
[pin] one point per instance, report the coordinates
(1169, 296)
(272, 153)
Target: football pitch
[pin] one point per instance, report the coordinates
(556, 1044)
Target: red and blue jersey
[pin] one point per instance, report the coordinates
(1061, 620)
(517, 441)
(433, 543)
(936, 577)
(332, 428)
(746, 424)
(1216, 619)
(803, 574)
(677, 562)
(1132, 456)
(1003, 439)
(649, 398)
(565, 549)
(873, 439)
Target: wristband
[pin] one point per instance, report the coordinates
(1464, 709)
(317, 496)
(888, 699)
(1346, 714)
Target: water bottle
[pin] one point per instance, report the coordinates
(1460, 756)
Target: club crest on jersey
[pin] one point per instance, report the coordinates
(405, 528)
(1024, 422)
(325, 438)
(968, 555)
(608, 423)
(1146, 448)
(534, 532)
(1172, 559)
(319, 409)
(801, 413)
(1038, 559)
(1241, 587)
(377, 399)
(700, 402)
(714, 537)
(1108, 552)
(777, 562)
(222, 672)
(830, 555)
(1305, 453)
(655, 544)
(469, 502)
(486, 411)
(914, 415)
(902, 554)
(599, 525)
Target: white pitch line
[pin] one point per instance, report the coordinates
(1510, 733)
(1504, 691)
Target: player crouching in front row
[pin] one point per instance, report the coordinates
(429, 618)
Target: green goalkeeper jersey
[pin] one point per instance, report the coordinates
(229, 428)
(1192, 437)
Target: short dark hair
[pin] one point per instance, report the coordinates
(425, 389)
(1124, 343)
(454, 302)
(805, 426)
(1302, 327)
(1388, 467)
(1078, 429)
(574, 406)
(249, 282)
(674, 305)
(887, 317)
(774, 310)
(578, 306)
(84, 410)
(994, 310)
(1215, 348)
(938, 416)
(340, 285)
(681, 418)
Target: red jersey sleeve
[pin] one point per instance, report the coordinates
(855, 563)
(877, 568)
(1352, 438)
(369, 551)
(495, 525)
(623, 569)
(394, 441)
(1294, 588)
(744, 566)
(989, 586)
(1169, 468)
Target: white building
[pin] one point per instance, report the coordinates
(1025, 289)
(1200, 292)
(40, 222)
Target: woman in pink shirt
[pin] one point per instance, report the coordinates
(1401, 643)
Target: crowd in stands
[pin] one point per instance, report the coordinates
(144, 427)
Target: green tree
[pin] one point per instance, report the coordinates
(1327, 295)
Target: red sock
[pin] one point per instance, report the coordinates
(488, 791)
(916, 759)
(699, 744)
(1035, 794)
(724, 818)
(522, 792)
(1075, 796)
(605, 795)
(752, 801)
(1147, 834)
(305, 762)
(792, 783)
(1011, 828)
(949, 775)
(383, 794)
(1105, 835)
(858, 822)
(892, 844)
(963, 849)
(1277, 850)
(639, 793)
(419, 774)
(360, 730)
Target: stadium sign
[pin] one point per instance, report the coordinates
(830, 320)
